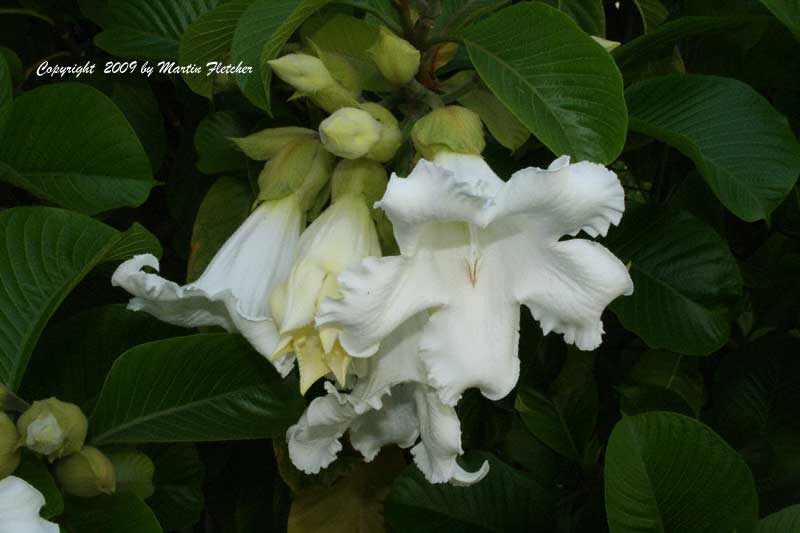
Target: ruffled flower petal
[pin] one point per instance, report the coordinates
(20, 504)
(234, 290)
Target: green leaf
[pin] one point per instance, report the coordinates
(663, 379)
(206, 387)
(134, 472)
(69, 144)
(344, 40)
(653, 13)
(178, 498)
(456, 14)
(502, 124)
(122, 512)
(208, 39)
(149, 29)
(565, 416)
(385, 10)
(783, 521)
(46, 252)
(134, 240)
(6, 92)
(87, 345)
(33, 470)
(553, 77)
(787, 11)
(667, 472)
(504, 501)
(262, 31)
(588, 14)
(743, 147)
(685, 281)
(224, 208)
(215, 151)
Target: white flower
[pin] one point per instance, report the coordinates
(20, 503)
(473, 249)
(233, 291)
(390, 403)
(340, 237)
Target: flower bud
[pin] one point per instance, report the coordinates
(266, 143)
(391, 137)
(53, 428)
(350, 133)
(334, 97)
(448, 129)
(86, 474)
(395, 57)
(359, 176)
(304, 72)
(605, 43)
(302, 167)
(10, 452)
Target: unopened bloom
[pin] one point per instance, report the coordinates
(340, 237)
(266, 144)
(53, 428)
(20, 503)
(473, 248)
(10, 452)
(396, 58)
(233, 291)
(350, 133)
(86, 473)
(304, 72)
(448, 129)
(391, 138)
(391, 403)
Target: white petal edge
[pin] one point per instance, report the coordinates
(20, 504)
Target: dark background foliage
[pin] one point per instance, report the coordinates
(698, 376)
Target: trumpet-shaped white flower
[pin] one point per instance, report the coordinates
(342, 236)
(390, 404)
(20, 503)
(233, 291)
(473, 249)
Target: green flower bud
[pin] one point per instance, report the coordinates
(448, 129)
(86, 473)
(395, 57)
(334, 97)
(350, 133)
(302, 168)
(10, 452)
(266, 143)
(605, 43)
(53, 428)
(359, 176)
(305, 73)
(391, 137)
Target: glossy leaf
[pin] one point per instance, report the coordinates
(554, 79)
(133, 471)
(663, 381)
(385, 11)
(743, 148)
(215, 151)
(69, 144)
(783, 521)
(208, 39)
(46, 252)
(504, 501)
(668, 472)
(456, 14)
(178, 497)
(6, 91)
(653, 13)
(588, 14)
(787, 11)
(122, 512)
(149, 29)
(188, 389)
(33, 470)
(685, 281)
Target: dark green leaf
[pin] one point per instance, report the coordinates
(588, 14)
(456, 14)
(224, 208)
(46, 253)
(385, 10)
(134, 240)
(685, 281)
(215, 151)
(553, 77)
(743, 148)
(667, 472)
(663, 376)
(73, 357)
(134, 472)
(505, 501)
(653, 13)
(6, 92)
(787, 11)
(209, 39)
(198, 388)
(784, 521)
(69, 144)
(149, 29)
(178, 499)
(33, 470)
(122, 512)
(564, 417)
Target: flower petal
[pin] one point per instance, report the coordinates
(453, 188)
(440, 430)
(563, 199)
(395, 423)
(377, 296)
(20, 503)
(567, 293)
